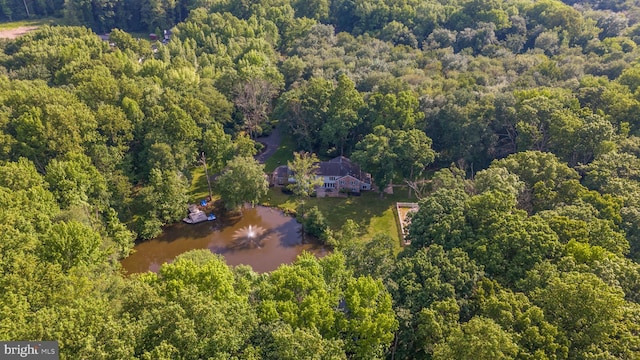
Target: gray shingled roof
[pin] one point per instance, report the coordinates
(338, 167)
(341, 166)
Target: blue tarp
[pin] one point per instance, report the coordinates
(203, 202)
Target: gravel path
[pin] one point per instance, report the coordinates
(271, 144)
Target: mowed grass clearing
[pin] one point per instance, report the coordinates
(374, 214)
(199, 189)
(282, 155)
(27, 23)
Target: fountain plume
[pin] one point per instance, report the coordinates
(249, 236)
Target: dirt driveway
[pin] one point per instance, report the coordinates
(14, 33)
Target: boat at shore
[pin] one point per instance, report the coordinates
(197, 216)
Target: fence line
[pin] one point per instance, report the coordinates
(401, 220)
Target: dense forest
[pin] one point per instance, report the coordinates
(516, 123)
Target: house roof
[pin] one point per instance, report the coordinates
(338, 167)
(342, 166)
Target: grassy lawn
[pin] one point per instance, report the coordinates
(199, 188)
(27, 22)
(372, 213)
(282, 155)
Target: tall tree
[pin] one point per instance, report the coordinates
(253, 99)
(414, 154)
(305, 110)
(478, 339)
(304, 167)
(218, 146)
(162, 201)
(343, 115)
(394, 153)
(72, 244)
(242, 181)
(427, 281)
(375, 155)
(588, 312)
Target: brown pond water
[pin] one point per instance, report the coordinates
(261, 237)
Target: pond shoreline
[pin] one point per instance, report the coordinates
(276, 239)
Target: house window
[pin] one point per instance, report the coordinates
(331, 178)
(341, 182)
(353, 182)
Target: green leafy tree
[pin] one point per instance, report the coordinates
(305, 109)
(586, 310)
(191, 308)
(375, 258)
(75, 181)
(375, 155)
(242, 181)
(498, 179)
(315, 224)
(370, 318)
(440, 220)
(118, 233)
(547, 180)
(282, 341)
(480, 338)
(343, 115)
(505, 240)
(426, 285)
(609, 167)
(20, 175)
(386, 154)
(72, 244)
(48, 122)
(320, 297)
(318, 9)
(300, 296)
(413, 148)
(304, 167)
(396, 112)
(243, 146)
(162, 201)
(218, 147)
(96, 86)
(525, 322)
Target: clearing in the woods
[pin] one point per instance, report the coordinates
(11, 30)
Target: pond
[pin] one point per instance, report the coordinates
(261, 237)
